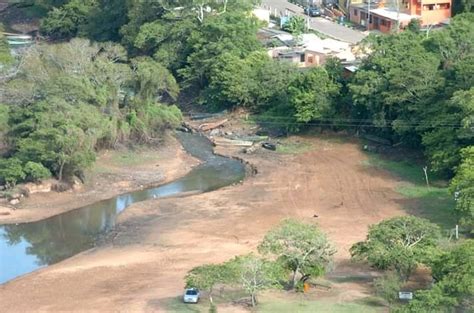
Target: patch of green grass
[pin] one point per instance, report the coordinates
(288, 147)
(314, 306)
(131, 158)
(371, 301)
(405, 170)
(227, 296)
(434, 203)
(177, 305)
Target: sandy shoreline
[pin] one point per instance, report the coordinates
(107, 179)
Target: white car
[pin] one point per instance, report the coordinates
(191, 295)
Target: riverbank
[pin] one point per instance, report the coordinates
(115, 172)
(140, 268)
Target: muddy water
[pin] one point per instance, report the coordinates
(29, 246)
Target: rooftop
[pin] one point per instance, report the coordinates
(389, 13)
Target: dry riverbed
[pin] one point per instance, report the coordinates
(141, 266)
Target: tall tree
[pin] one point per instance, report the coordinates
(400, 243)
(303, 248)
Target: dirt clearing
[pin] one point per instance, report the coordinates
(142, 266)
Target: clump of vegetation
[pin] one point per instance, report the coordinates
(400, 243)
(295, 247)
(388, 287)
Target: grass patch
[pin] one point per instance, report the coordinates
(288, 147)
(371, 301)
(434, 203)
(177, 305)
(312, 306)
(132, 158)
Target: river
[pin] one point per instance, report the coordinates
(27, 247)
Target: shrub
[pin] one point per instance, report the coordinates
(36, 171)
(11, 171)
(388, 286)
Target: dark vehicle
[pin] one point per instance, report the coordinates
(269, 146)
(312, 11)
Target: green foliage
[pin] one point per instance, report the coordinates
(105, 20)
(414, 25)
(388, 286)
(302, 248)
(462, 186)
(5, 55)
(295, 25)
(310, 94)
(11, 171)
(36, 171)
(83, 96)
(233, 32)
(454, 287)
(4, 109)
(400, 243)
(153, 80)
(414, 89)
(66, 21)
(205, 277)
(255, 274)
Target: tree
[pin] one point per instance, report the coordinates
(454, 287)
(400, 243)
(462, 186)
(105, 20)
(11, 171)
(296, 25)
(66, 21)
(233, 33)
(82, 96)
(256, 274)
(301, 247)
(310, 94)
(205, 277)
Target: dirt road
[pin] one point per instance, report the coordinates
(158, 241)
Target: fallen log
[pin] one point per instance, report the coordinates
(209, 126)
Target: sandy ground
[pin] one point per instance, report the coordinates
(114, 173)
(142, 266)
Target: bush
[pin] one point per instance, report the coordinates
(36, 171)
(388, 286)
(11, 171)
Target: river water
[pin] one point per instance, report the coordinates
(30, 246)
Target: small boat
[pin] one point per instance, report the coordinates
(19, 37)
(229, 142)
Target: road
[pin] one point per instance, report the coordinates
(319, 24)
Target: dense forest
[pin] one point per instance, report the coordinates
(113, 69)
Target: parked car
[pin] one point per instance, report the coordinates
(191, 295)
(312, 11)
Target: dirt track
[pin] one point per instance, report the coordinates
(158, 241)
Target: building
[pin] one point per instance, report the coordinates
(310, 50)
(384, 16)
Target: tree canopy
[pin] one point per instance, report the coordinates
(400, 243)
(303, 248)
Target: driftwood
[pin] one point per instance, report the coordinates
(209, 126)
